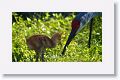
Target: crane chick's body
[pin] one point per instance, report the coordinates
(40, 42)
(37, 42)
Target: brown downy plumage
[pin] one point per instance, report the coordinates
(40, 42)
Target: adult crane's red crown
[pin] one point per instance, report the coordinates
(75, 24)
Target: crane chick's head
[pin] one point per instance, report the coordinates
(57, 36)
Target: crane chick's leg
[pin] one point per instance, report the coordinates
(42, 55)
(37, 56)
(91, 25)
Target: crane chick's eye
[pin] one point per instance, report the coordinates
(75, 24)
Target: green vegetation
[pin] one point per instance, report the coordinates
(77, 51)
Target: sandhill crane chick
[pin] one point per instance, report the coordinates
(39, 43)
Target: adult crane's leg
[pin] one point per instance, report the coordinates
(91, 25)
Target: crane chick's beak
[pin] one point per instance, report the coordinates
(71, 36)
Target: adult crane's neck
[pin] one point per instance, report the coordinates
(85, 17)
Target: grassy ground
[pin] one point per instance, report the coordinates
(77, 51)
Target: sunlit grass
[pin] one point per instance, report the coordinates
(77, 51)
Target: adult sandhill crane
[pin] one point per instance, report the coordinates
(39, 43)
(78, 23)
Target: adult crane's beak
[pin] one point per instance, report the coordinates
(71, 36)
